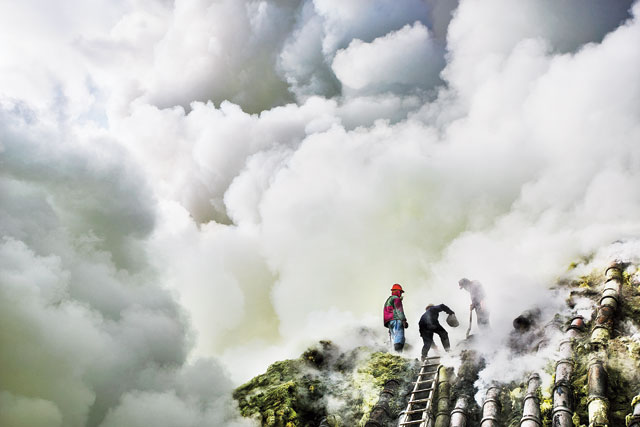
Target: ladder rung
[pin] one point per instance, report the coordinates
(425, 378)
(418, 405)
(422, 390)
(408, 423)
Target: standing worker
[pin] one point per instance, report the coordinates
(429, 325)
(394, 318)
(477, 301)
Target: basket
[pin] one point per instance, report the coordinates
(452, 321)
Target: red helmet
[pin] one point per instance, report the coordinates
(396, 287)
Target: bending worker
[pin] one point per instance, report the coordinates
(477, 300)
(429, 325)
(394, 318)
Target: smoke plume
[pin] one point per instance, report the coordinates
(190, 190)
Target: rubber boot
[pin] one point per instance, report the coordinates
(398, 347)
(425, 353)
(446, 345)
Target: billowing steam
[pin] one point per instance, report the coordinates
(190, 190)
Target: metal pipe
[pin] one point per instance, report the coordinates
(444, 393)
(381, 413)
(633, 419)
(614, 271)
(562, 395)
(598, 404)
(531, 404)
(459, 414)
(608, 305)
(562, 398)
(491, 408)
(335, 420)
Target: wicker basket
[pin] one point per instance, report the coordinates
(452, 321)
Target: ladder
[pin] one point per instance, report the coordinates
(419, 411)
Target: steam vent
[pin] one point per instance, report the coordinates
(587, 373)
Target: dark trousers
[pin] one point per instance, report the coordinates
(427, 338)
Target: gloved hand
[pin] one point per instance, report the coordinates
(406, 324)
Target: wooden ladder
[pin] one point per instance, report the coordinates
(419, 411)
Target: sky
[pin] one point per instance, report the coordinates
(192, 190)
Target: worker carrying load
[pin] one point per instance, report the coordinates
(429, 325)
(394, 318)
(478, 303)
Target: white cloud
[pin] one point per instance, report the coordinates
(143, 232)
(405, 59)
(28, 412)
